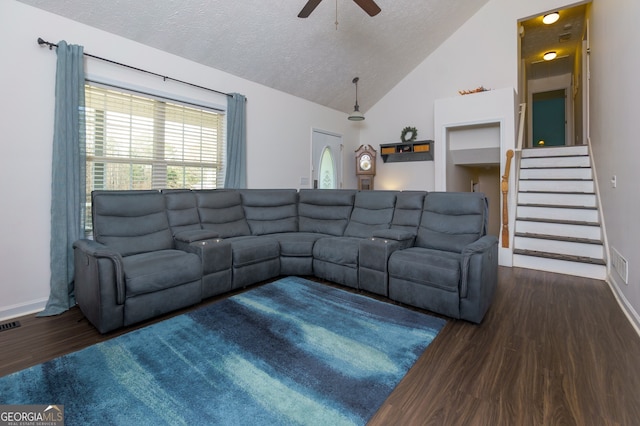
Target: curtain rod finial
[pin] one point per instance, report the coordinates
(41, 42)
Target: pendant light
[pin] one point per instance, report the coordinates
(356, 115)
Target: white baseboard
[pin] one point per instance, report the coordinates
(14, 311)
(628, 310)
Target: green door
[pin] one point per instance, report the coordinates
(549, 119)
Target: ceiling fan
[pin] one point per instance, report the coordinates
(368, 6)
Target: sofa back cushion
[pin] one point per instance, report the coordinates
(270, 211)
(372, 211)
(221, 211)
(408, 211)
(325, 211)
(182, 210)
(451, 220)
(131, 222)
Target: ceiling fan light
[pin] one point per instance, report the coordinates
(550, 18)
(549, 56)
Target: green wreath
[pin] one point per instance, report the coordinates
(409, 134)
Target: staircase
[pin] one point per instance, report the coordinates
(557, 220)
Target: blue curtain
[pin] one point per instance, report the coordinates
(68, 175)
(236, 168)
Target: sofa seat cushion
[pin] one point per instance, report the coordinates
(159, 270)
(434, 268)
(297, 244)
(253, 249)
(338, 250)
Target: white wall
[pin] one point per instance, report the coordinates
(278, 133)
(615, 93)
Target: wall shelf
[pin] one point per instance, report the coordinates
(407, 151)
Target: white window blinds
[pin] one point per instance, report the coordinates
(136, 141)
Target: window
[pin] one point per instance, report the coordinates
(327, 175)
(139, 141)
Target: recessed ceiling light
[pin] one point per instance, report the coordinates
(550, 55)
(550, 18)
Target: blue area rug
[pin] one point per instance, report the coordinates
(289, 352)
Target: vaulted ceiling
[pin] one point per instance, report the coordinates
(265, 42)
(315, 58)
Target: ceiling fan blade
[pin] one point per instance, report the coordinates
(369, 6)
(308, 8)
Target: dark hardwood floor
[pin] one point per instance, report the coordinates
(552, 350)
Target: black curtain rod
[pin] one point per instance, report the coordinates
(42, 42)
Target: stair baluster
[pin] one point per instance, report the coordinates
(505, 201)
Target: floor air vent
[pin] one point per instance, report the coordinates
(9, 325)
(620, 265)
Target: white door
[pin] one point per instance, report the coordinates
(326, 160)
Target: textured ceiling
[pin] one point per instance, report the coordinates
(265, 41)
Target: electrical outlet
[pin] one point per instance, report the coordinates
(614, 181)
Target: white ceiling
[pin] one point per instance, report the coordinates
(265, 41)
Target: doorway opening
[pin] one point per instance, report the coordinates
(555, 91)
(473, 164)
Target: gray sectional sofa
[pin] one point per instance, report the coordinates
(157, 251)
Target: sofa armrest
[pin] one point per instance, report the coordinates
(96, 250)
(479, 248)
(215, 254)
(394, 234)
(192, 235)
(373, 260)
(374, 252)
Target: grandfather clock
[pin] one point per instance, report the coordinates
(365, 166)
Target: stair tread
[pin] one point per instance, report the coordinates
(563, 179)
(525, 167)
(558, 238)
(556, 151)
(558, 221)
(558, 206)
(558, 147)
(556, 192)
(557, 156)
(570, 258)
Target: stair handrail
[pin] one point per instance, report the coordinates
(522, 116)
(505, 200)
